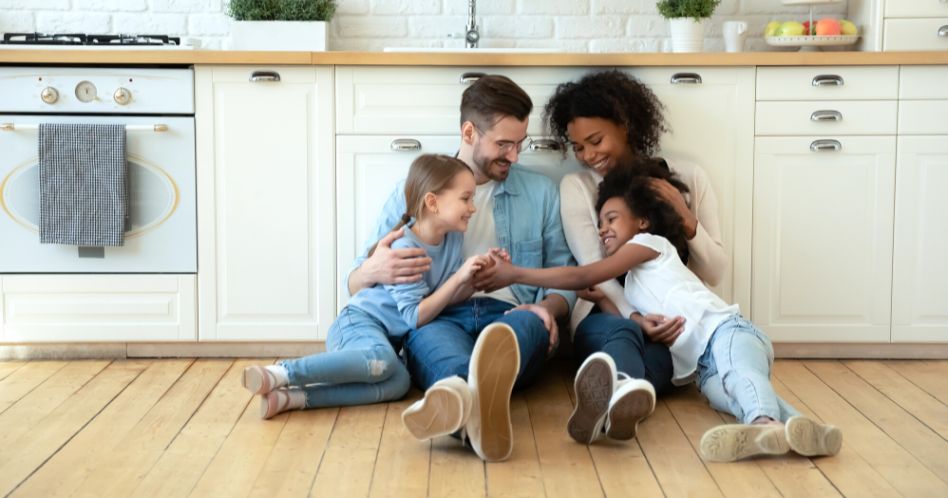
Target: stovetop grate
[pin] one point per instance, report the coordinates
(86, 39)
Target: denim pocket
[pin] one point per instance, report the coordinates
(528, 253)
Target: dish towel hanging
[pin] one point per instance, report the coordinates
(83, 184)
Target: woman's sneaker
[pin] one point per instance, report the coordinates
(444, 409)
(811, 438)
(495, 363)
(727, 443)
(633, 400)
(594, 386)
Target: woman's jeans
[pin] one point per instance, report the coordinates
(359, 367)
(622, 339)
(734, 373)
(442, 348)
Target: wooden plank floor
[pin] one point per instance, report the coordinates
(187, 428)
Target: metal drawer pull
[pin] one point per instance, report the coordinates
(827, 80)
(686, 78)
(943, 31)
(826, 116)
(405, 144)
(826, 145)
(263, 76)
(468, 78)
(158, 128)
(544, 144)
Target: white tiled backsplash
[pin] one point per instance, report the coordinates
(570, 25)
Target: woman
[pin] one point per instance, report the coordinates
(608, 118)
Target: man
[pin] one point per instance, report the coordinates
(466, 369)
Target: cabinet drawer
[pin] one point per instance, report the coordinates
(80, 308)
(264, 74)
(826, 117)
(923, 117)
(916, 8)
(923, 82)
(827, 83)
(385, 100)
(916, 34)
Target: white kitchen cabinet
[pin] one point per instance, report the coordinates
(265, 209)
(710, 113)
(823, 238)
(97, 308)
(426, 100)
(919, 273)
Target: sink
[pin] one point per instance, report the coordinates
(486, 50)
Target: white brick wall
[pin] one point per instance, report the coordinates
(570, 25)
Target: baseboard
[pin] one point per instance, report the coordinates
(121, 350)
(913, 351)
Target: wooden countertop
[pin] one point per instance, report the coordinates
(468, 59)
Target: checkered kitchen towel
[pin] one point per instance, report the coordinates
(83, 184)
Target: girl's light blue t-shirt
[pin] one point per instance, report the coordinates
(397, 305)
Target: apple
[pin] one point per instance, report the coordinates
(806, 28)
(828, 27)
(772, 28)
(847, 27)
(790, 28)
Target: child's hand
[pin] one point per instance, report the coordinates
(471, 266)
(500, 253)
(592, 294)
(663, 329)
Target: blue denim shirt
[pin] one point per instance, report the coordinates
(533, 236)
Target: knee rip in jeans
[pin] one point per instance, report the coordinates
(378, 368)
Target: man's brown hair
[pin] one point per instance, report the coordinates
(491, 98)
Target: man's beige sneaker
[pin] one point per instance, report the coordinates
(594, 385)
(727, 443)
(495, 363)
(444, 410)
(811, 438)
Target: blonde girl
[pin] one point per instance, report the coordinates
(361, 364)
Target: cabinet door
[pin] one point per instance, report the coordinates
(823, 239)
(712, 125)
(919, 274)
(266, 210)
(367, 170)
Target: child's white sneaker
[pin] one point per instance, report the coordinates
(811, 438)
(633, 400)
(281, 400)
(727, 443)
(263, 379)
(594, 385)
(495, 363)
(444, 410)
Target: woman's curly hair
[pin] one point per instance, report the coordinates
(632, 182)
(611, 95)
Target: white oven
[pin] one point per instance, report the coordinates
(156, 105)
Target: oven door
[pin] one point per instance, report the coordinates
(162, 236)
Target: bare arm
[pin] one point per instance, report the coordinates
(581, 277)
(456, 289)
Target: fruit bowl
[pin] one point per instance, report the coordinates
(811, 41)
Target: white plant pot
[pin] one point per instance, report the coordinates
(687, 35)
(304, 36)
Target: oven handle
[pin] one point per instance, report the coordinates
(157, 128)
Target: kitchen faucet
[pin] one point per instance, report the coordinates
(471, 37)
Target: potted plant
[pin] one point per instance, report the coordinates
(686, 20)
(280, 24)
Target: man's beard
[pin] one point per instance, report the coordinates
(495, 169)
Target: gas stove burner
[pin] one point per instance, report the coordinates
(84, 39)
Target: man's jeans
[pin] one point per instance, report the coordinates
(442, 348)
(359, 367)
(734, 373)
(622, 339)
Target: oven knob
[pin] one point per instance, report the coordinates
(49, 95)
(122, 96)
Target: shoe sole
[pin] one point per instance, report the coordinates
(594, 385)
(727, 443)
(494, 367)
(253, 381)
(808, 437)
(627, 412)
(439, 413)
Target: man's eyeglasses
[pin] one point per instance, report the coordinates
(505, 146)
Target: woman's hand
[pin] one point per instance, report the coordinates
(676, 200)
(548, 322)
(660, 328)
(592, 294)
